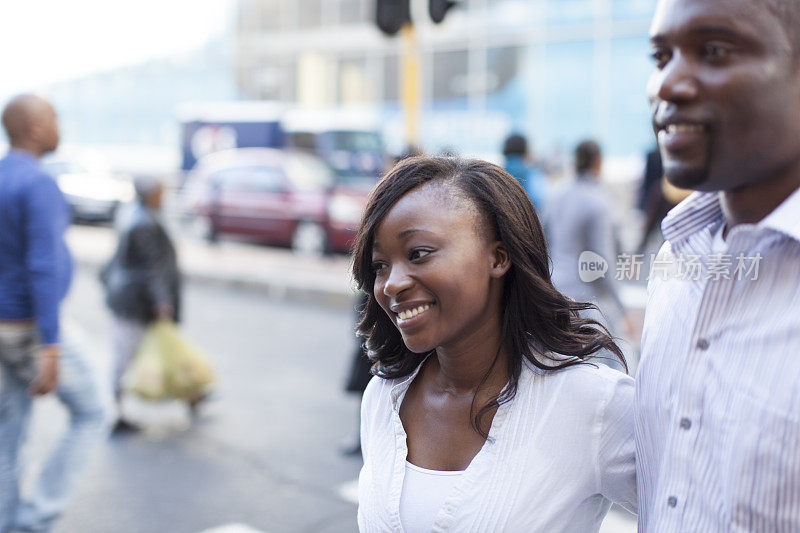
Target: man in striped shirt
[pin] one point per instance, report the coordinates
(718, 387)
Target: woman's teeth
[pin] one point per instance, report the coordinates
(684, 128)
(405, 315)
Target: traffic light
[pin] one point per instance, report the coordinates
(439, 8)
(391, 15)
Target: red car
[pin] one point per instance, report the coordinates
(279, 197)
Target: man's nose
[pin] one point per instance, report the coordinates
(676, 82)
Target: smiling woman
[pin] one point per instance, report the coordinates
(486, 413)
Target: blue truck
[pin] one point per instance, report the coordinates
(349, 141)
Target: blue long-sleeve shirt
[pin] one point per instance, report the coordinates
(35, 264)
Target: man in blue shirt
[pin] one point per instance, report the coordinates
(518, 163)
(35, 274)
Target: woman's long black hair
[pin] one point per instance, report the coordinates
(539, 323)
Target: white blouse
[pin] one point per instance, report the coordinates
(557, 455)
(424, 492)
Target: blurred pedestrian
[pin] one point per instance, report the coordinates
(657, 198)
(142, 280)
(359, 375)
(483, 415)
(717, 403)
(520, 164)
(35, 356)
(579, 219)
(653, 173)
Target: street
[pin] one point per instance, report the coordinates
(264, 452)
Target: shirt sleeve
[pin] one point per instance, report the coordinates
(617, 445)
(44, 207)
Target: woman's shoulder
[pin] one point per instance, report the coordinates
(377, 387)
(378, 394)
(584, 384)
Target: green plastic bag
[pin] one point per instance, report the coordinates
(168, 366)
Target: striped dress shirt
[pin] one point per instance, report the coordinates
(718, 387)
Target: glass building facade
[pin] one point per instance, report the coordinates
(555, 70)
(135, 105)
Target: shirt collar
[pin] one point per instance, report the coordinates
(400, 387)
(786, 217)
(698, 211)
(704, 209)
(22, 155)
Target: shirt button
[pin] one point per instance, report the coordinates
(672, 501)
(686, 423)
(703, 344)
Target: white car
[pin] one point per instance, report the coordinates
(92, 190)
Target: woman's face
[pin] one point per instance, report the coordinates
(435, 266)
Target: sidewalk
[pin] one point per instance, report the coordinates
(275, 272)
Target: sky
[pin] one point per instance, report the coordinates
(43, 41)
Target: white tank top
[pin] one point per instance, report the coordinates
(424, 493)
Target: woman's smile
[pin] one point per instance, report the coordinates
(411, 317)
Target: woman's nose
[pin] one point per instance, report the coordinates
(397, 281)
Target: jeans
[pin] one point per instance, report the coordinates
(78, 391)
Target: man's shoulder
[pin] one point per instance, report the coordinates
(26, 177)
(143, 222)
(26, 167)
(38, 182)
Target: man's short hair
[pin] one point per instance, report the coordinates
(587, 154)
(16, 115)
(515, 144)
(146, 186)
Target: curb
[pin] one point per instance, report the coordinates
(271, 289)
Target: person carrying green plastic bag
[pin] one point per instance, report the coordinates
(169, 366)
(143, 288)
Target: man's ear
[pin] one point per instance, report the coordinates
(35, 130)
(501, 261)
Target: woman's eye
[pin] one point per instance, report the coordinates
(377, 266)
(418, 253)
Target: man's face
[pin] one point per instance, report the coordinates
(725, 95)
(51, 135)
(43, 126)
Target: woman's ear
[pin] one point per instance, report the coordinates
(501, 261)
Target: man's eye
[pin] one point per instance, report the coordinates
(660, 56)
(715, 51)
(418, 253)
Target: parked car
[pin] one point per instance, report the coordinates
(278, 197)
(93, 192)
